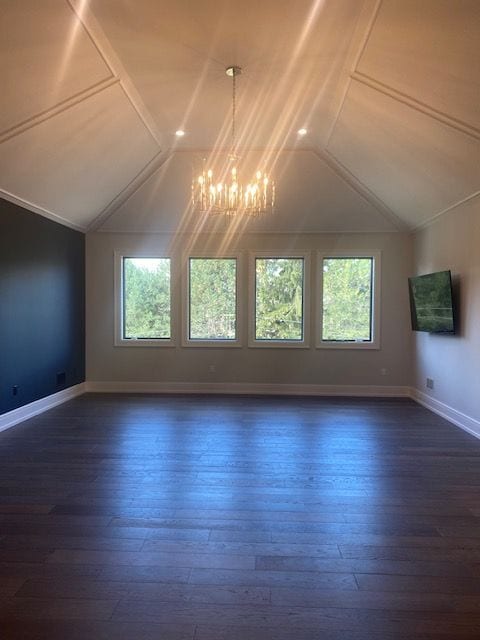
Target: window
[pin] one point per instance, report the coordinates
(349, 301)
(212, 299)
(145, 307)
(213, 310)
(279, 304)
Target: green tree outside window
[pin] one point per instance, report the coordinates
(146, 298)
(347, 299)
(279, 286)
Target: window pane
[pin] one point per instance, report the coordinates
(146, 298)
(279, 299)
(347, 299)
(213, 298)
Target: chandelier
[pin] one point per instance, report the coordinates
(229, 195)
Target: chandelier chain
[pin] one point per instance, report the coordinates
(234, 108)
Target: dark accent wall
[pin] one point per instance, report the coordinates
(42, 307)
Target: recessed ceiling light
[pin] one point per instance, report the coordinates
(180, 133)
(302, 132)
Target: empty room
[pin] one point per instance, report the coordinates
(240, 320)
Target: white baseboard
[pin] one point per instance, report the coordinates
(39, 406)
(458, 418)
(248, 388)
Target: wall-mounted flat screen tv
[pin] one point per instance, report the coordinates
(431, 304)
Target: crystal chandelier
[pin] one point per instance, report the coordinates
(229, 196)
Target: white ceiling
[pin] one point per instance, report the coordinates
(93, 91)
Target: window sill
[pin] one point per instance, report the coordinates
(349, 345)
(278, 344)
(208, 344)
(166, 342)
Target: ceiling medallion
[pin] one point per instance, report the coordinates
(229, 195)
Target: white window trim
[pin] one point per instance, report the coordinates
(119, 340)
(219, 343)
(279, 344)
(376, 300)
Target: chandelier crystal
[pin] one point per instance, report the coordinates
(229, 195)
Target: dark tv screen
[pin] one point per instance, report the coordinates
(431, 303)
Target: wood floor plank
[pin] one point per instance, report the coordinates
(244, 548)
(59, 629)
(157, 574)
(29, 569)
(38, 542)
(418, 584)
(376, 566)
(58, 609)
(368, 539)
(155, 592)
(152, 559)
(383, 600)
(25, 508)
(302, 579)
(456, 551)
(207, 632)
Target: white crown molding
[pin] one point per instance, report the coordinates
(436, 216)
(361, 35)
(111, 59)
(360, 40)
(248, 388)
(372, 15)
(363, 29)
(6, 195)
(467, 423)
(361, 189)
(400, 96)
(60, 107)
(11, 418)
(419, 106)
(132, 187)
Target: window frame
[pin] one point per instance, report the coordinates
(119, 311)
(221, 342)
(375, 319)
(253, 342)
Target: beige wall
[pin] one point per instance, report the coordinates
(453, 242)
(108, 363)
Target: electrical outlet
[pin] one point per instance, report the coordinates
(430, 383)
(212, 368)
(15, 390)
(383, 372)
(61, 378)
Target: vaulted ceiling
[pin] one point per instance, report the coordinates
(94, 90)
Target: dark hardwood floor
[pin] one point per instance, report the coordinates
(235, 518)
